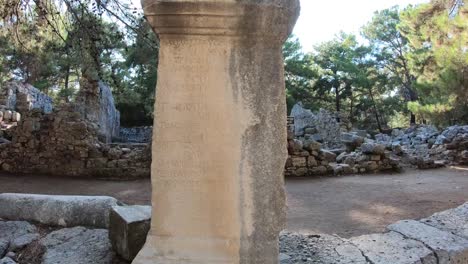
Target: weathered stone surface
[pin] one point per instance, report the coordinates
(22, 241)
(16, 235)
(57, 210)
(312, 145)
(372, 148)
(220, 143)
(96, 103)
(43, 143)
(136, 134)
(320, 248)
(77, 245)
(24, 97)
(7, 260)
(453, 220)
(321, 126)
(128, 228)
(449, 248)
(4, 244)
(393, 248)
(327, 155)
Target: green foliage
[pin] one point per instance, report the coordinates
(61, 46)
(389, 47)
(439, 57)
(300, 73)
(398, 120)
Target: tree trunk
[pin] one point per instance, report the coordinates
(337, 104)
(412, 119)
(351, 114)
(67, 77)
(376, 111)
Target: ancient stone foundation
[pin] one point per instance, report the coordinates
(219, 143)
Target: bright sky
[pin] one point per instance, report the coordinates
(320, 20)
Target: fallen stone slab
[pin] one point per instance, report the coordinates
(393, 248)
(453, 220)
(128, 228)
(16, 235)
(326, 249)
(57, 210)
(448, 247)
(77, 245)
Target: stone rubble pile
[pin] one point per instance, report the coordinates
(452, 145)
(321, 126)
(64, 143)
(309, 158)
(425, 147)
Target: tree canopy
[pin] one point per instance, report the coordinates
(409, 65)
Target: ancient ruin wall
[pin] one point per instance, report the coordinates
(24, 97)
(63, 143)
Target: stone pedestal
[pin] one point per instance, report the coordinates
(219, 143)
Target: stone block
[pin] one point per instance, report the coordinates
(372, 148)
(341, 168)
(16, 117)
(301, 172)
(319, 170)
(393, 248)
(311, 162)
(7, 115)
(312, 145)
(128, 227)
(327, 155)
(299, 161)
(448, 247)
(57, 210)
(454, 220)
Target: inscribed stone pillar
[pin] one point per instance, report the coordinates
(219, 142)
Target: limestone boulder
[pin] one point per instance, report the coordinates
(312, 145)
(4, 244)
(7, 260)
(448, 247)
(373, 148)
(317, 248)
(327, 155)
(341, 168)
(351, 140)
(77, 245)
(452, 220)
(15, 235)
(7, 115)
(393, 248)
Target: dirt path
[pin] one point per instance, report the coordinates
(348, 206)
